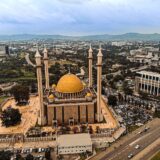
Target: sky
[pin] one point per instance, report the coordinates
(79, 17)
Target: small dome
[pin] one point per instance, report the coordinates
(53, 86)
(51, 96)
(69, 83)
(88, 95)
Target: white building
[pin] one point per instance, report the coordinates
(148, 82)
(119, 43)
(74, 143)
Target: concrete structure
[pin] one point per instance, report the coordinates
(90, 57)
(145, 55)
(41, 114)
(148, 82)
(99, 85)
(4, 51)
(45, 58)
(70, 101)
(74, 144)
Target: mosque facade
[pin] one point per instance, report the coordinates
(70, 101)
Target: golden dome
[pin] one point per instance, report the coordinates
(53, 86)
(51, 96)
(88, 95)
(69, 83)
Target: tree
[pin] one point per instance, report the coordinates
(90, 130)
(5, 155)
(118, 78)
(19, 157)
(128, 91)
(20, 93)
(1, 91)
(83, 128)
(48, 155)
(10, 117)
(75, 129)
(29, 157)
(112, 100)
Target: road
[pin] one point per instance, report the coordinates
(28, 60)
(126, 145)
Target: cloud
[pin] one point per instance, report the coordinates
(79, 16)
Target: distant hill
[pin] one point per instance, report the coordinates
(126, 36)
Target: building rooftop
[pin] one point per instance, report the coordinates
(149, 73)
(74, 140)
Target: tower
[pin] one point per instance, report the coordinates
(45, 58)
(99, 85)
(41, 116)
(90, 58)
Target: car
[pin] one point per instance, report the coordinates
(146, 129)
(130, 155)
(39, 150)
(137, 146)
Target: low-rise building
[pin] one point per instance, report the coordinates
(74, 143)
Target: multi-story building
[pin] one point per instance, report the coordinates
(4, 51)
(148, 82)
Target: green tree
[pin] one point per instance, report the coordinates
(29, 157)
(5, 155)
(20, 93)
(48, 155)
(10, 117)
(112, 100)
(128, 91)
(19, 157)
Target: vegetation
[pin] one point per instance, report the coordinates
(5, 155)
(20, 93)
(10, 117)
(157, 114)
(126, 89)
(29, 157)
(157, 156)
(112, 100)
(48, 155)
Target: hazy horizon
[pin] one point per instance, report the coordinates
(79, 18)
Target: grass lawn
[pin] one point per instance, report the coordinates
(157, 156)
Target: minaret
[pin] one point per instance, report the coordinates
(90, 58)
(45, 58)
(99, 86)
(41, 117)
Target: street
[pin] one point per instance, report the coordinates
(126, 145)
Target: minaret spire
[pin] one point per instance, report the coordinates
(45, 58)
(90, 58)
(41, 116)
(99, 85)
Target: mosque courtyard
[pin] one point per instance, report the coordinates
(30, 114)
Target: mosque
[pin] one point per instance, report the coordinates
(69, 101)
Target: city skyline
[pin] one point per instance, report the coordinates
(75, 17)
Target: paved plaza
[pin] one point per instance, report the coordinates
(29, 116)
